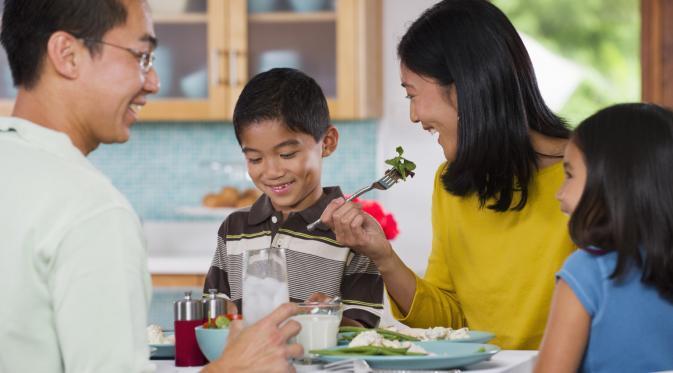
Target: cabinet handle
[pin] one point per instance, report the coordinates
(233, 78)
(234, 55)
(218, 58)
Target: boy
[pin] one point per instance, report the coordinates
(281, 121)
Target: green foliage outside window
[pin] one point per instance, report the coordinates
(603, 36)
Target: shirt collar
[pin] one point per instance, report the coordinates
(45, 138)
(262, 209)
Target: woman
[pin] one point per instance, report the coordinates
(498, 236)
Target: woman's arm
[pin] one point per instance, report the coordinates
(362, 233)
(399, 280)
(567, 333)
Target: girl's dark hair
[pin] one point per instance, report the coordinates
(27, 26)
(472, 44)
(627, 203)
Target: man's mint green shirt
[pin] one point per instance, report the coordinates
(73, 263)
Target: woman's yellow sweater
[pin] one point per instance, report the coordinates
(493, 271)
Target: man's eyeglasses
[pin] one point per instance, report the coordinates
(145, 59)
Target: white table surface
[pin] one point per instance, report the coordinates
(508, 361)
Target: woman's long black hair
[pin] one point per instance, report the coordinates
(627, 203)
(472, 44)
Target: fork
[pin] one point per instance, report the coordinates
(350, 366)
(361, 366)
(389, 179)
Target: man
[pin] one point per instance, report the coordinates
(72, 256)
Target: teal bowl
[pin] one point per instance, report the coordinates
(211, 341)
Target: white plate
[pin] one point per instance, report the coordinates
(163, 350)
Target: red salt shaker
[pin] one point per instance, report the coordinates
(189, 314)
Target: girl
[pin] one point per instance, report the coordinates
(612, 309)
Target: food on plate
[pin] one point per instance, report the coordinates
(437, 333)
(210, 200)
(403, 166)
(434, 334)
(350, 332)
(221, 321)
(155, 336)
(368, 350)
(230, 196)
(372, 343)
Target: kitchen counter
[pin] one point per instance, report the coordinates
(180, 248)
(179, 265)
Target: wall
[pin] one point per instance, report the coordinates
(167, 166)
(410, 201)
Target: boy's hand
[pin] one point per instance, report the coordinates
(356, 229)
(318, 297)
(231, 307)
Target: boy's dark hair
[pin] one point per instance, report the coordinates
(627, 203)
(286, 95)
(472, 44)
(27, 26)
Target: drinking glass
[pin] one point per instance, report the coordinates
(319, 325)
(264, 283)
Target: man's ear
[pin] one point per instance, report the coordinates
(64, 53)
(330, 141)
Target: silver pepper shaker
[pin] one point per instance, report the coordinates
(213, 305)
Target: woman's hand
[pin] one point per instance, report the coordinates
(361, 232)
(262, 347)
(357, 229)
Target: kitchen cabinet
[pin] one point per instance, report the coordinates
(208, 49)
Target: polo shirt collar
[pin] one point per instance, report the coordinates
(55, 142)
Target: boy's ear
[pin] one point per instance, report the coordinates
(330, 141)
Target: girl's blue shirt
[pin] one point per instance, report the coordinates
(631, 324)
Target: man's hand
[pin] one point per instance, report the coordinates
(262, 347)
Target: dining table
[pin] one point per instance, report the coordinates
(506, 361)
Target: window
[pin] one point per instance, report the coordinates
(586, 54)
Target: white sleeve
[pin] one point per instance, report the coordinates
(100, 291)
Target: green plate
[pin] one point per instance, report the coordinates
(445, 355)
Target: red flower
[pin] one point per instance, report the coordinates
(385, 219)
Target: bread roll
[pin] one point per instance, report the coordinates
(228, 197)
(211, 200)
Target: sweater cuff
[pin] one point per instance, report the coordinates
(397, 313)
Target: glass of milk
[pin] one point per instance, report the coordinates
(319, 325)
(264, 283)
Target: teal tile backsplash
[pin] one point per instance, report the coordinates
(165, 166)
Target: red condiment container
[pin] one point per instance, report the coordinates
(189, 314)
